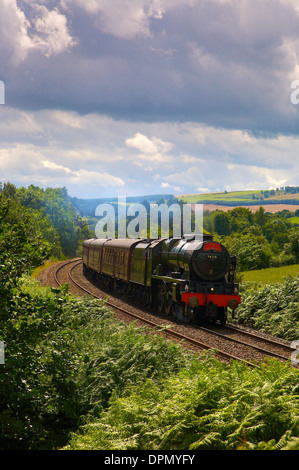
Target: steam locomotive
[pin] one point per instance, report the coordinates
(188, 278)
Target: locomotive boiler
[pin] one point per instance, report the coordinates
(191, 279)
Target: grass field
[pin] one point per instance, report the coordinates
(294, 220)
(270, 275)
(238, 196)
(47, 264)
(235, 196)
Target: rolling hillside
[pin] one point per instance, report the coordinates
(271, 200)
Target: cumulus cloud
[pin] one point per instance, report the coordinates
(14, 37)
(176, 189)
(191, 178)
(52, 32)
(260, 177)
(82, 176)
(92, 155)
(122, 18)
(41, 30)
(148, 146)
(42, 158)
(227, 64)
(149, 95)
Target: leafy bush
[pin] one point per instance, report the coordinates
(64, 357)
(204, 407)
(53, 213)
(21, 245)
(252, 251)
(272, 308)
(69, 363)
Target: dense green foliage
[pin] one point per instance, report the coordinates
(52, 211)
(71, 367)
(204, 407)
(259, 240)
(22, 245)
(272, 308)
(64, 357)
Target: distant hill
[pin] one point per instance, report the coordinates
(287, 195)
(87, 207)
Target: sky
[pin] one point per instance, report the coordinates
(138, 97)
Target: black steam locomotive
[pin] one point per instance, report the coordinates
(188, 278)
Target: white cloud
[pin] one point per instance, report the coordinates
(58, 168)
(177, 189)
(92, 155)
(154, 150)
(149, 146)
(69, 119)
(96, 178)
(260, 177)
(203, 190)
(53, 35)
(25, 164)
(46, 31)
(190, 177)
(122, 18)
(83, 176)
(14, 30)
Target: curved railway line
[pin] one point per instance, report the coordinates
(228, 342)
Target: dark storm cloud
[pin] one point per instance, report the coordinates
(224, 63)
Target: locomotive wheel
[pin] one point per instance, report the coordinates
(161, 298)
(148, 299)
(222, 316)
(168, 304)
(177, 310)
(161, 302)
(188, 314)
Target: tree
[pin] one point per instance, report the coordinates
(22, 246)
(55, 208)
(241, 218)
(275, 226)
(252, 251)
(293, 237)
(222, 223)
(260, 216)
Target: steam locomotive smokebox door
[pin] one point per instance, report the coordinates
(211, 261)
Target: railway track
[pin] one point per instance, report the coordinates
(228, 342)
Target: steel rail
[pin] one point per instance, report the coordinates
(258, 348)
(155, 325)
(174, 333)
